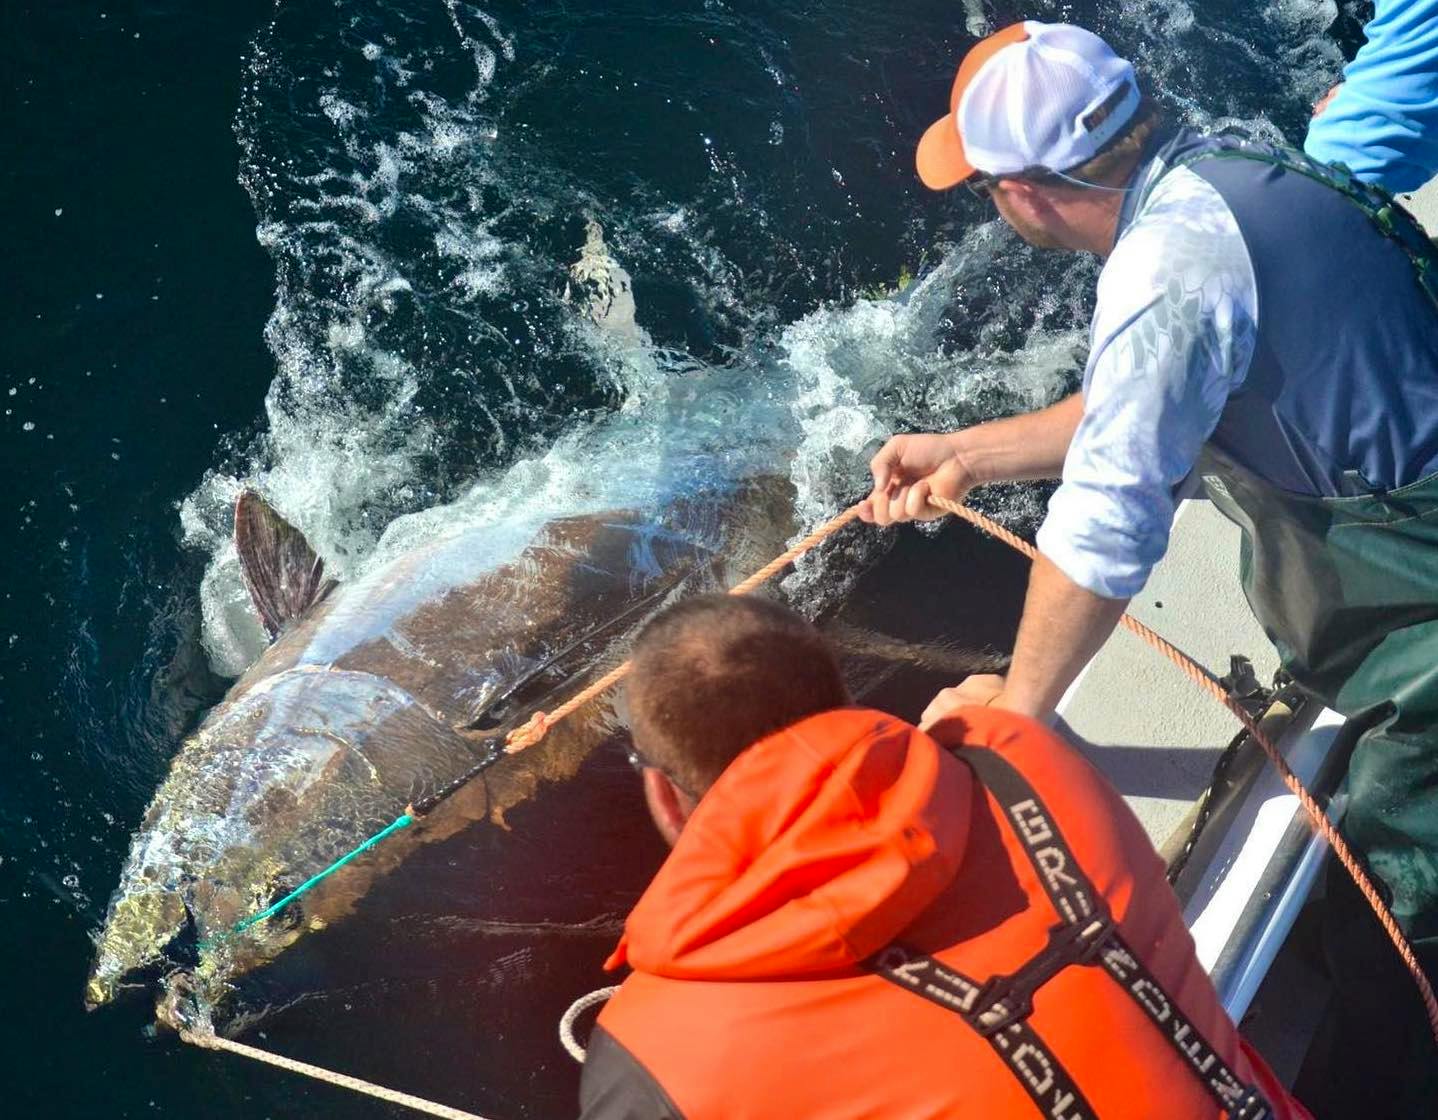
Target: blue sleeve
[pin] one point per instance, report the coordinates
(1384, 121)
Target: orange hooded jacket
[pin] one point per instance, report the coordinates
(820, 846)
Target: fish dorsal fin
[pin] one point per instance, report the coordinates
(284, 575)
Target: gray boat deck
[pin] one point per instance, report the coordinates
(1135, 716)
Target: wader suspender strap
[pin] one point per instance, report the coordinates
(1017, 1044)
(1086, 935)
(1383, 210)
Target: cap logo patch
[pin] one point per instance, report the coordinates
(1115, 111)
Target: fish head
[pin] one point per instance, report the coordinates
(138, 929)
(177, 908)
(199, 926)
(275, 787)
(209, 853)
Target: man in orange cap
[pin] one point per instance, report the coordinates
(861, 919)
(1268, 323)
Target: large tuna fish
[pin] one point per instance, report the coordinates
(373, 696)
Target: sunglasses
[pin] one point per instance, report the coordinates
(636, 760)
(981, 186)
(641, 764)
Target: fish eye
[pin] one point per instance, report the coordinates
(494, 716)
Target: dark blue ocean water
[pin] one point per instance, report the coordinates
(321, 248)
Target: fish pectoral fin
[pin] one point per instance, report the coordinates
(284, 575)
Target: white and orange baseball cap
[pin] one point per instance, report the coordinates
(1034, 95)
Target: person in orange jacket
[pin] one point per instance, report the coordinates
(863, 919)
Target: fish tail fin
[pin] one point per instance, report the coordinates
(284, 575)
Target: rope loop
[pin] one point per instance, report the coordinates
(570, 1017)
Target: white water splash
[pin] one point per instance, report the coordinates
(373, 333)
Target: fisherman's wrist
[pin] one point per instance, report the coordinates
(961, 453)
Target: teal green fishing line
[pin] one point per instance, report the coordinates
(404, 820)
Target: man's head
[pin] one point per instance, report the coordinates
(711, 676)
(1050, 123)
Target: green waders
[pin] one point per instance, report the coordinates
(1347, 589)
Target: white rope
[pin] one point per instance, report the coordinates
(211, 1041)
(208, 1040)
(576, 1009)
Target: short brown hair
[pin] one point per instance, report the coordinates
(714, 674)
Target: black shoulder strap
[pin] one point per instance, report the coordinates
(1041, 1075)
(1086, 934)
(1063, 880)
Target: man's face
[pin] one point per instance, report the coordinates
(668, 804)
(1011, 210)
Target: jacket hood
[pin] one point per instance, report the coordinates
(814, 849)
